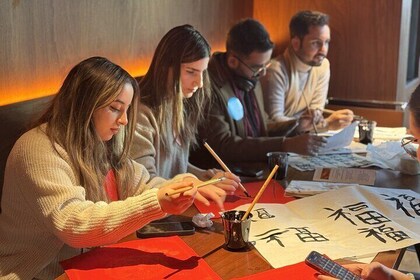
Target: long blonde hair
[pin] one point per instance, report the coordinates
(92, 84)
(160, 88)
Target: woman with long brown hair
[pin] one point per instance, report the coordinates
(173, 93)
(69, 183)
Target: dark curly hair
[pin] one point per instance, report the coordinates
(247, 36)
(300, 22)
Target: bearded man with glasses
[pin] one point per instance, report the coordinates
(236, 126)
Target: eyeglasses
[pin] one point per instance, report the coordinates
(255, 73)
(409, 149)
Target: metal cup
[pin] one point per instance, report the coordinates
(236, 231)
(366, 129)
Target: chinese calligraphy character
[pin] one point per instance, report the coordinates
(399, 205)
(307, 236)
(377, 232)
(272, 235)
(372, 217)
(263, 214)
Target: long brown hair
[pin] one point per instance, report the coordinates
(92, 84)
(160, 88)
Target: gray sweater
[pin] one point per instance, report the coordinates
(148, 151)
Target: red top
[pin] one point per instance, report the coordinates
(111, 186)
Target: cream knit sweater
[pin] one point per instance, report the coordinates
(285, 99)
(47, 218)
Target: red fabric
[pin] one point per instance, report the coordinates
(111, 186)
(274, 193)
(152, 258)
(299, 271)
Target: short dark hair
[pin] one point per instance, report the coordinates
(414, 106)
(248, 35)
(300, 22)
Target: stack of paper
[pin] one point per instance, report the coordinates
(298, 188)
(307, 163)
(345, 175)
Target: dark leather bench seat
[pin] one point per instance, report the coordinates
(15, 119)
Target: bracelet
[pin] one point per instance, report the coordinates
(411, 276)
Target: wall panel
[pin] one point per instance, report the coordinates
(42, 40)
(364, 47)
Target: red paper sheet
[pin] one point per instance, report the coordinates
(153, 258)
(274, 193)
(299, 271)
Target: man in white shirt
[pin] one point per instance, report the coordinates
(296, 84)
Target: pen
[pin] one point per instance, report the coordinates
(209, 182)
(310, 113)
(223, 165)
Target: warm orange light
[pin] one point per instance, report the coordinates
(49, 86)
(13, 96)
(26, 90)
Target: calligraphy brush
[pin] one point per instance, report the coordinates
(223, 165)
(259, 194)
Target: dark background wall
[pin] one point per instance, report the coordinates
(42, 40)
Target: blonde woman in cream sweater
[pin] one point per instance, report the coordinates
(69, 183)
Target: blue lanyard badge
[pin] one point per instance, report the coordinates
(235, 108)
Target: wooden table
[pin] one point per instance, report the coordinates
(237, 264)
(209, 243)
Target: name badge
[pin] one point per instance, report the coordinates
(235, 108)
